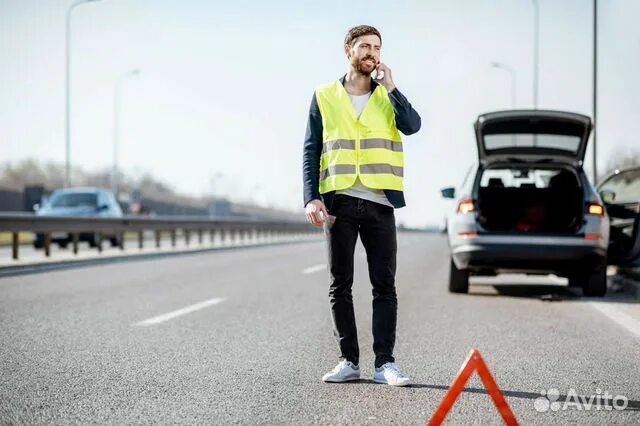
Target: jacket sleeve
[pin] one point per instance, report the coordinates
(407, 119)
(311, 154)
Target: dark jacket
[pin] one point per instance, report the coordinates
(407, 121)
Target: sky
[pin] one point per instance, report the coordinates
(222, 99)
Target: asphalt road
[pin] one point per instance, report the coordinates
(244, 336)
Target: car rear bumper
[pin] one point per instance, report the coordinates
(538, 257)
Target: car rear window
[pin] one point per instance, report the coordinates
(79, 199)
(528, 132)
(530, 140)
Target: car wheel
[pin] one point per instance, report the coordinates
(575, 279)
(595, 284)
(38, 244)
(93, 240)
(63, 244)
(458, 279)
(115, 241)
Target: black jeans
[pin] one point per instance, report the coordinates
(377, 228)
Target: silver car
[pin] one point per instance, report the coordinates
(79, 202)
(528, 207)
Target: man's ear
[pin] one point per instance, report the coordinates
(347, 50)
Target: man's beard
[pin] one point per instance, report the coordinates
(363, 67)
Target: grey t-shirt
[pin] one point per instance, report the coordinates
(358, 190)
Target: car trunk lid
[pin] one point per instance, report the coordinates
(532, 136)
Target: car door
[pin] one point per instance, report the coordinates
(102, 207)
(114, 206)
(620, 193)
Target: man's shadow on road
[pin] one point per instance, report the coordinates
(546, 292)
(631, 404)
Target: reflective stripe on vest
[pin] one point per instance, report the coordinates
(369, 147)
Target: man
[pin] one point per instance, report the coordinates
(352, 171)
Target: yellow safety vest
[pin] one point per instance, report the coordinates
(369, 146)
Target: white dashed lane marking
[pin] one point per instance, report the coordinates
(179, 312)
(315, 268)
(617, 316)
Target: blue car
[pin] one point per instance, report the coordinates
(79, 202)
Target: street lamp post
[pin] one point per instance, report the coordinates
(214, 192)
(116, 126)
(595, 87)
(67, 121)
(512, 74)
(536, 42)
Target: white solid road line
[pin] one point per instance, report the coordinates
(314, 268)
(186, 310)
(613, 313)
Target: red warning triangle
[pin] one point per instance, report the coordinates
(474, 362)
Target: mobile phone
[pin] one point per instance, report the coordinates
(328, 222)
(377, 75)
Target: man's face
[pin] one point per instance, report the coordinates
(364, 55)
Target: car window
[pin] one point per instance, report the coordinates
(626, 186)
(529, 140)
(76, 199)
(521, 178)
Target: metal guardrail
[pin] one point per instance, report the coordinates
(231, 229)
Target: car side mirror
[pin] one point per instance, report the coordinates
(448, 192)
(36, 207)
(103, 207)
(608, 196)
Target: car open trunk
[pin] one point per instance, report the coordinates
(532, 135)
(529, 199)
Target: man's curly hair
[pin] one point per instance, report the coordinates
(360, 30)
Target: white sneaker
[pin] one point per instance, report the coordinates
(343, 372)
(390, 374)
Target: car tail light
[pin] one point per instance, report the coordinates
(466, 206)
(592, 237)
(595, 209)
(467, 234)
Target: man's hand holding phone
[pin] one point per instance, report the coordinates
(316, 212)
(383, 76)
